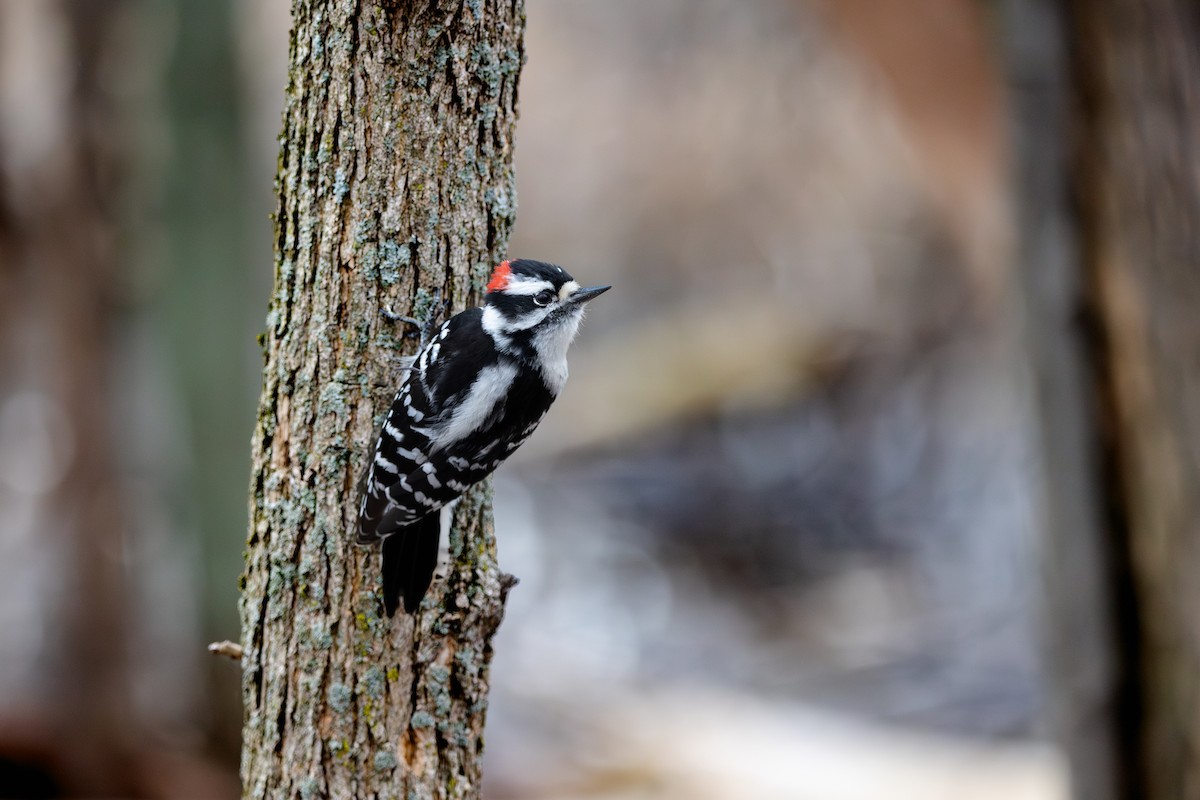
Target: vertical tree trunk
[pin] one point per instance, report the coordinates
(1137, 68)
(1082, 628)
(1120, 422)
(395, 183)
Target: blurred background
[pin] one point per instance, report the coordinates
(776, 540)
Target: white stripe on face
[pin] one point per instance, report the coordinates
(521, 285)
(493, 323)
(569, 288)
(498, 326)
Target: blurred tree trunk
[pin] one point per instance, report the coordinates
(1108, 109)
(1137, 69)
(395, 182)
(64, 677)
(1082, 634)
(212, 251)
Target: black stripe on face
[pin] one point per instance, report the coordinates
(512, 306)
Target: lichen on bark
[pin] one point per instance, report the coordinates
(395, 187)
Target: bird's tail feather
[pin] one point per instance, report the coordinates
(409, 559)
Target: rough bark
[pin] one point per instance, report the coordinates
(395, 183)
(1137, 178)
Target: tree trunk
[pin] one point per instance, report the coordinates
(1110, 292)
(395, 183)
(1137, 69)
(1082, 630)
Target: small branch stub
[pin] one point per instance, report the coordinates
(226, 648)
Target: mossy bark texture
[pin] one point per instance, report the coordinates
(1137, 66)
(395, 187)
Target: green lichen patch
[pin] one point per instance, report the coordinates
(385, 760)
(394, 259)
(372, 683)
(340, 697)
(309, 788)
(320, 635)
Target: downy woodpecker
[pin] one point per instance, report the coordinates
(478, 387)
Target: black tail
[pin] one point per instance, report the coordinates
(409, 559)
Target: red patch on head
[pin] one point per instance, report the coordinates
(500, 275)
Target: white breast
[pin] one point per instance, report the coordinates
(488, 389)
(551, 346)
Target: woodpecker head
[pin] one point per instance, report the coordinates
(533, 309)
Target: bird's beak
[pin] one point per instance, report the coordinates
(580, 296)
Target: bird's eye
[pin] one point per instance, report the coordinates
(544, 297)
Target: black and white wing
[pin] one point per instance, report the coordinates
(462, 409)
(404, 443)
